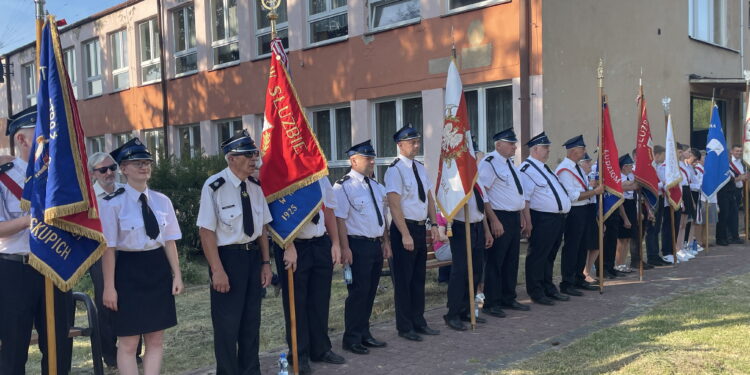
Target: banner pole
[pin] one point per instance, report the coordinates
(638, 195)
(747, 210)
(600, 268)
(467, 229)
(706, 224)
(674, 240)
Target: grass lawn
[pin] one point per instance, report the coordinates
(701, 333)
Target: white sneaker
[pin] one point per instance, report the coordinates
(699, 247)
(683, 256)
(668, 258)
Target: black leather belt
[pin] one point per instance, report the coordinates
(21, 258)
(309, 240)
(242, 246)
(363, 238)
(415, 222)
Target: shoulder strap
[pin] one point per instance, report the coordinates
(217, 183)
(254, 180)
(114, 194)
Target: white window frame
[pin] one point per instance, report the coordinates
(217, 124)
(156, 152)
(195, 149)
(116, 137)
(465, 8)
(99, 141)
(123, 70)
(336, 159)
(376, 3)
(86, 57)
(69, 58)
(696, 16)
(29, 84)
(151, 24)
(482, 135)
(329, 13)
(190, 50)
(267, 30)
(218, 43)
(399, 124)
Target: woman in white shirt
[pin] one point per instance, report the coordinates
(141, 267)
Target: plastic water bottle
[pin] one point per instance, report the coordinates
(347, 274)
(283, 365)
(694, 246)
(478, 303)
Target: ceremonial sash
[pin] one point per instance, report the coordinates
(11, 185)
(574, 175)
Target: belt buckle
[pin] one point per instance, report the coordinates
(247, 246)
(25, 259)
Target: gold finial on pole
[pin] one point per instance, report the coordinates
(271, 6)
(600, 73)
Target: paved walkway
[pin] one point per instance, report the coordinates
(522, 335)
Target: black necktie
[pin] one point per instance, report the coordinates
(515, 177)
(247, 211)
(149, 220)
(478, 197)
(375, 201)
(419, 182)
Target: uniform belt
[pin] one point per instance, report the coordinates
(415, 222)
(21, 258)
(364, 238)
(549, 213)
(308, 240)
(242, 246)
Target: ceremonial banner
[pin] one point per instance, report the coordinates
(293, 161)
(457, 169)
(716, 169)
(611, 176)
(66, 235)
(645, 170)
(672, 174)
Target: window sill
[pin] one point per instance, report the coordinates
(118, 90)
(224, 65)
(92, 96)
(151, 82)
(469, 8)
(327, 42)
(713, 44)
(185, 74)
(394, 26)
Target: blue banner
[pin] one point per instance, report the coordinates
(294, 210)
(716, 167)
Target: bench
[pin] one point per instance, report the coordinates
(92, 331)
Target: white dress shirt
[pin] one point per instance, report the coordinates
(739, 166)
(355, 205)
(221, 209)
(538, 191)
(312, 230)
(122, 220)
(474, 215)
(10, 208)
(627, 194)
(399, 178)
(496, 179)
(574, 181)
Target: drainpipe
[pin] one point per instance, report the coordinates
(524, 46)
(164, 89)
(9, 95)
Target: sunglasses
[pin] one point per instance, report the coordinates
(103, 170)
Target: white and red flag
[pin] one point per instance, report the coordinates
(457, 169)
(672, 174)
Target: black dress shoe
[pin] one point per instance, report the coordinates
(494, 311)
(372, 343)
(411, 336)
(356, 349)
(427, 331)
(738, 241)
(304, 364)
(646, 266)
(544, 301)
(558, 296)
(477, 319)
(609, 276)
(722, 242)
(586, 286)
(455, 324)
(515, 305)
(658, 262)
(571, 292)
(332, 358)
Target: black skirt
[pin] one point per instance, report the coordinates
(688, 202)
(630, 212)
(143, 280)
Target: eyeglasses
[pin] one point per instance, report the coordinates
(103, 170)
(141, 163)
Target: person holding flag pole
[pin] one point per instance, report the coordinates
(461, 200)
(716, 171)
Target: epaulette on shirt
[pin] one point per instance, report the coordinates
(342, 180)
(254, 180)
(489, 158)
(6, 167)
(525, 167)
(419, 162)
(395, 162)
(217, 183)
(114, 194)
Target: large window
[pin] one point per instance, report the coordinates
(96, 144)
(148, 33)
(327, 20)
(490, 111)
(227, 128)
(393, 115)
(29, 84)
(388, 13)
(185, 53)
(154, 141)
(69, 56)
(121, 138)
(700, 119)
(224, 31)
(333, 128)
(118, 53)
(92, 57)
(190, 141)
(263, 28)
(707, 20)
